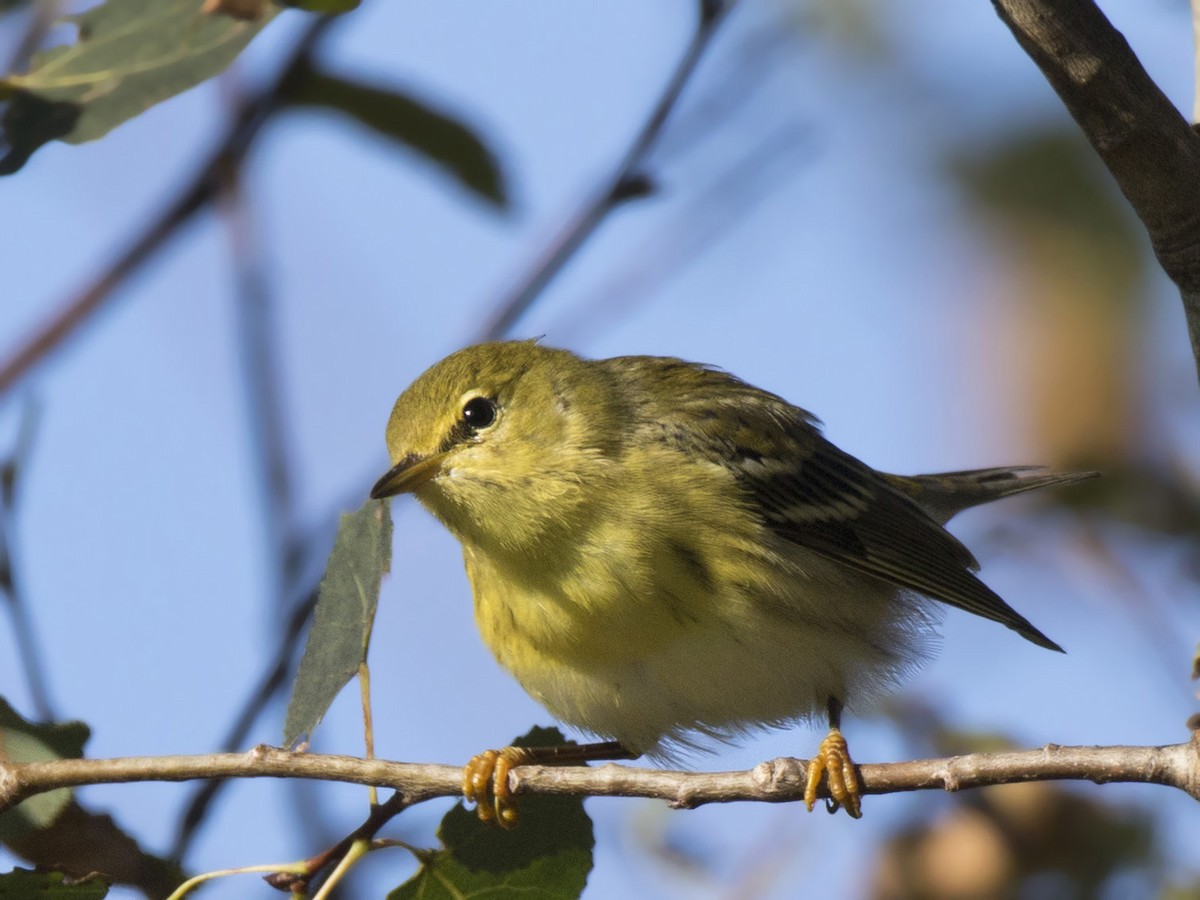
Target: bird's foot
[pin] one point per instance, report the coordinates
(485, 777)
(833, 761)
(485, 783)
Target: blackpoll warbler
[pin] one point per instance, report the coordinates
(661, 553)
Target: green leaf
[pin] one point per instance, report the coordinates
(547, 857)
(40, 810)
(25, 741)
(66, 739)
(26, 884)
(129, 55)
(341, 629)
(55, 833)
(438, 136)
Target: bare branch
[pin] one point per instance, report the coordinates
(195, 196)
(262, 381)
(1141, 137)
(12, 471)
(273, 680)
(626, 182)
(775, 781)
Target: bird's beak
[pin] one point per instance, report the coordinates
(408, 475)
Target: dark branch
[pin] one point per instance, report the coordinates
(1141, 137)
(195, 196)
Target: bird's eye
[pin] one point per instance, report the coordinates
(478, 413)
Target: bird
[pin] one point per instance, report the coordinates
(667, 557)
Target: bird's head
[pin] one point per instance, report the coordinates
(500, 441)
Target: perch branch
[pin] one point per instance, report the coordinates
(775, 781)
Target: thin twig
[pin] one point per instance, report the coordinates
(380, 815)
(195, 196)
(619, 187)
(737, 191)
(39, 19)
(274, 679)
(775, 781)
(12, 471)
(262, 385)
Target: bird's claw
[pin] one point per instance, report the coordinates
(833, 761)
(485, 783)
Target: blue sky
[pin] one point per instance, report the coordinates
(803, 237)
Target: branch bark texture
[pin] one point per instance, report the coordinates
(775, 781)
(1141, 137)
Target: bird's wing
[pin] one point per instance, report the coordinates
(820, 497)
(837, 506)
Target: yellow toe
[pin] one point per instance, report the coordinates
(485, 783)
(833, 761)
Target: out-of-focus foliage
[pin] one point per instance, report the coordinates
(1022, 840)
(549, 855)
(24, 884)
(1070, 320)
(1069, 330)
(439, 137)
(1018, 840)
(330, 7)
(25, 741)
(54, 832)
(128, 56)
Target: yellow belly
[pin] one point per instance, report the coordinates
(663, 651)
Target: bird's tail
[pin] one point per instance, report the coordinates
(946, 494)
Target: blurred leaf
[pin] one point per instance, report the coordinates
(1069, 300)
(1007, 841)
(25, 741)
(246, 10)
(1160, 498)
(129, 55)
(857, 26)
(1016, 840)
(38, 811)
(24, 884)
(81, 842)
(549, 855)
(345, 611)
(28, 122)
(1182, 891)
(53, 831)
(66, 739)
(331, 7)
(436, 135)
(1051, 174)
